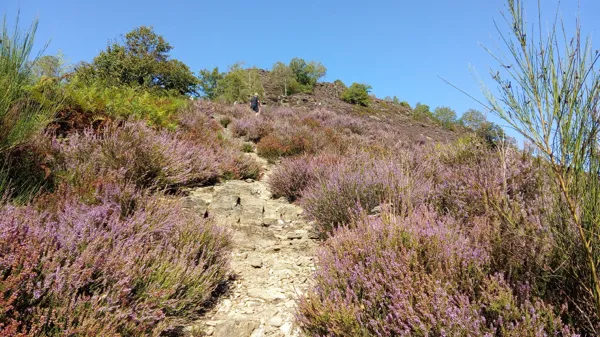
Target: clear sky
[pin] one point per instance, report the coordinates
(398, 47)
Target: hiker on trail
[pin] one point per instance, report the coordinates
(255, 103)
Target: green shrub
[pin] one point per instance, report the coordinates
(21, 115)
(405, 104)
(553, 103)
(24, 113)
(339, 83)
(247, 147)
(357, 94)
(124, 102)
(421, 111)
(225, 121)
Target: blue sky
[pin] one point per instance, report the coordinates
(398, 47)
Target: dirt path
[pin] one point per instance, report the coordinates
(271, 264)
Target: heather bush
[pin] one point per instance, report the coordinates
(195, 124)
(271, 148)
(419, 275)
(293, 175)
(146, 157)
(290, 140)
(361, 183)
(107, 268)
(252, 129)
(238, 165)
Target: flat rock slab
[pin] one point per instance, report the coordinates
(236, 329)
(272, 259)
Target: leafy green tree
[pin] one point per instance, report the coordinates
(445, 115)
(473, 119)
(49, 66)
(283, 79)
(208, 81)
(357, 93)
(422, 111)
(239, 84)
(141, 59)
(307, 74)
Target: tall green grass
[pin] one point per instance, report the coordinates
(22, 116)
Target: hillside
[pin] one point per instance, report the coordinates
(327, 96)
(138, 199)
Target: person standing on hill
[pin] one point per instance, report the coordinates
(255, 103)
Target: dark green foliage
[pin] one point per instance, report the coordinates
(446, 116)
(340, 84)
(247, 147)
(208, 81)
(225, 121)
(491, 133)
(142, 59)
(403, 103)
(357, 94)
(307, 74)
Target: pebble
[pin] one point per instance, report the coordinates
(286, 328)
(294, 236)
(276, 321)
(256, 262)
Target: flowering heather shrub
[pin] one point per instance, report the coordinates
(414, 276)
(271, 148)
(239, 111)
(252, 128)
(240, 166)
(104, 270)
(147, 157)
(361, 183)
(505, 198)
(197, 126)
(293, 175)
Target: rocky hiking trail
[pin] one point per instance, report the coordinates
(271, 263)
